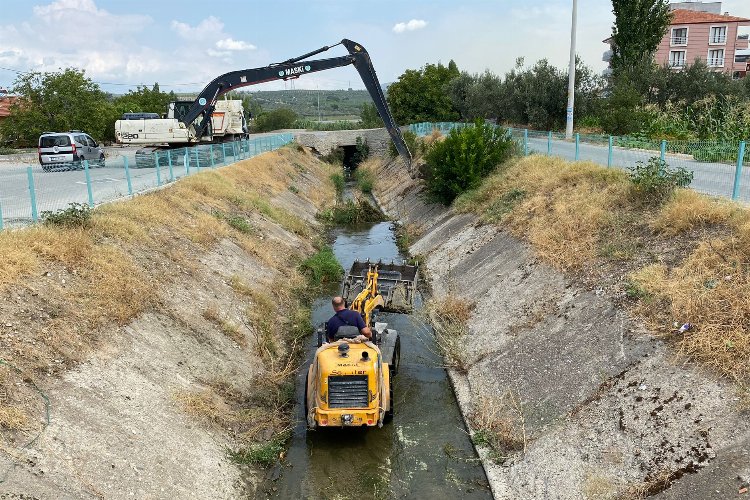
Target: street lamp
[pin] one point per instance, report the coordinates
(571, 75)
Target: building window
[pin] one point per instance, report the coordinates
(718, 35)
(677, 59)
(679, 36)
(716, 58)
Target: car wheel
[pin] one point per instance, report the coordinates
(102, 161)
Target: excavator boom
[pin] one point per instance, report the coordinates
(204, 105)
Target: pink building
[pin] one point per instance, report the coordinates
(713, 38)
(700, 31)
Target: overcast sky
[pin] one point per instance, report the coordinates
(183, 44)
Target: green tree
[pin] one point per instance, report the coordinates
(420, 95)
(56, 101)
(144, 100)
(464, 159)
(639, 27)
(274, 120)
(369, 117)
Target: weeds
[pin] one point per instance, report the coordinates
(322, 267)
(365, 180)
(449, 318)
(499, 423)
(264, 454)
(338, 184)
(653, 182)
(351, 212)
(76, 215)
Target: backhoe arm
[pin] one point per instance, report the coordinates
(294, 68)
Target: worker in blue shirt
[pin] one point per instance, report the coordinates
(343, 317)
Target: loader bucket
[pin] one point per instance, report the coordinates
(397, 283)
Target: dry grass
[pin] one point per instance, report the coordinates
(498, 422)
(560, 207)
(599, 487)
(449, 317)
(12, 418)
(689, 210)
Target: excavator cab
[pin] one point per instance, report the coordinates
(350, 380)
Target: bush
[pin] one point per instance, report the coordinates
(351, 212)
(464, 159)
(275, 120)
(334, 157)
(654, 181)
(76, 215)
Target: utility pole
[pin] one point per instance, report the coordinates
(572, 74)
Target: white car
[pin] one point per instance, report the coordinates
(67, 150)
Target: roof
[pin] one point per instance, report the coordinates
(684, 16)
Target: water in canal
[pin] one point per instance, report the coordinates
(424, 453)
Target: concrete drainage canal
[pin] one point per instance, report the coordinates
(425, 452)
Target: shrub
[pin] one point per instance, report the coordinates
(76, 215)
(334, 157)
(275, 120)
(464, 158)
(654, 181)
(361, 152)
(351, 212)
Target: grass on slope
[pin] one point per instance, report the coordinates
(687, 260)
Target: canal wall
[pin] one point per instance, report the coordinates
(592, 404)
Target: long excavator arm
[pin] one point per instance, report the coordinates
(204, 105)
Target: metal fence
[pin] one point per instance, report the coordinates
(28, 191)
(717, 166)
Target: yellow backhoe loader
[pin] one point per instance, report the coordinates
(350, 380)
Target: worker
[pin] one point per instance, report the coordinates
(343, 317)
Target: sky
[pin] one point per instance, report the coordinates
(184, 44)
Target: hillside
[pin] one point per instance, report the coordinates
(334, 104)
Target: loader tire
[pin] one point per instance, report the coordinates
(388, 417)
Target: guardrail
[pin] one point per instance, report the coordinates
(27, 191)
(718, 167)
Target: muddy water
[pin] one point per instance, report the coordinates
(424, 453)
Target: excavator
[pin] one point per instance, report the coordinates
(350, 380)
(194, 123)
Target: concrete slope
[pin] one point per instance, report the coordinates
(607, 410)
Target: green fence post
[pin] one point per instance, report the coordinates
(88, 182)
(224, 153)
(549, 143)
(526, 142)
(1, 215)
(609, 156)
(738, 172)
(663, 150)
(211, 152)
(578, 146)
(32, 194)
(127, 175)
(186, 161)
(158, 171)
(197, 158)
(169, 163)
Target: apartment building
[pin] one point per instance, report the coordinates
(699, 30)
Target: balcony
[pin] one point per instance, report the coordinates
(678, 40)
(718, 39)
(715, 62)
(677, 64)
